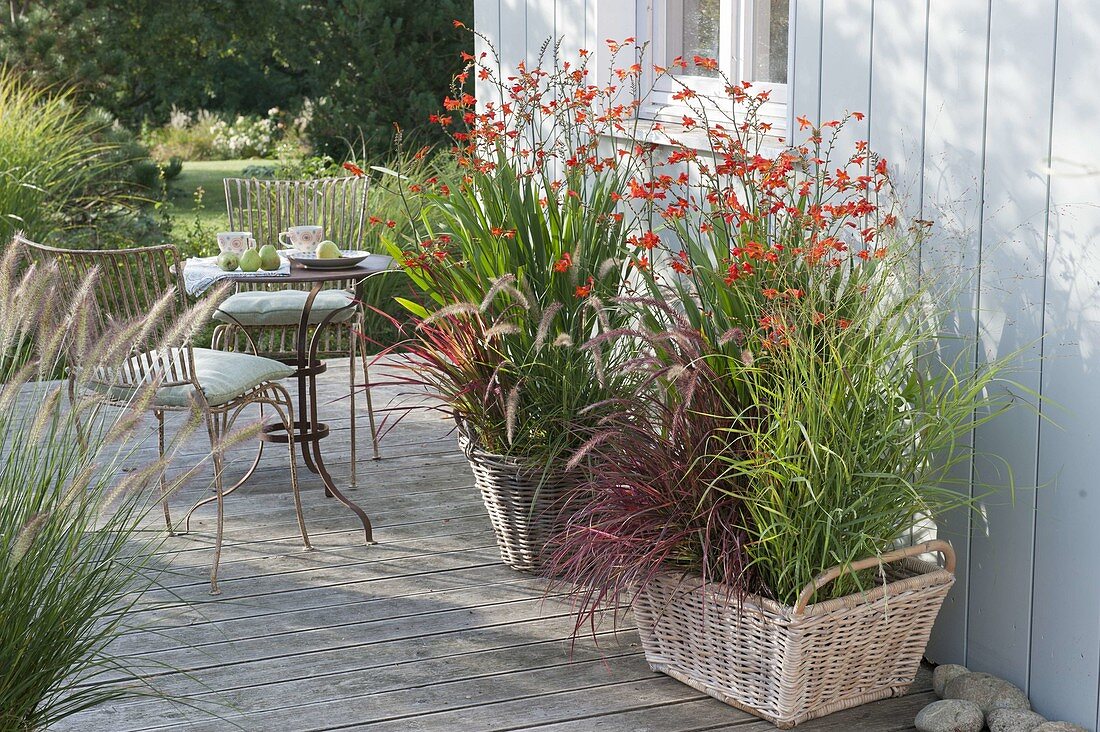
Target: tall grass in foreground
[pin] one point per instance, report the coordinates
(73, 560)
(49, 158)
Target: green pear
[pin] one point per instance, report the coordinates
(269, 258)
(329, 250)
(228, 261)
(250, 260)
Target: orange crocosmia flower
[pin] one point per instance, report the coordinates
(563, 264)
(354, 169)
(858, 116)
(458, 23)
(843, 323)
(584, 290)
(770, 292)
(391, 223)
(642, 263)
(706, 63)
(650, 240)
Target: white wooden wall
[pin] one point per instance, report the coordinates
(990, 113)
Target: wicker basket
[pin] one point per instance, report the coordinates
(524, 505)
(790, 664)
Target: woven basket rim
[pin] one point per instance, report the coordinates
(927, 574)
(476, 453)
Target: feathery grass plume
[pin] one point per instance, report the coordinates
(504, 285)
(545, 323)
(458, 308)
(499, 330)
(511, 406)
(74, 494)
(563, 340)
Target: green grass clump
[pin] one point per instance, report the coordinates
(49, 159)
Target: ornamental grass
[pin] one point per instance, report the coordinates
(52, 168)
(74, 558)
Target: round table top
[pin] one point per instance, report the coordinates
(373, 264)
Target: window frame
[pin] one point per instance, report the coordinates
(735, 61)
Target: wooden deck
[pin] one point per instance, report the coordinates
(424, 631)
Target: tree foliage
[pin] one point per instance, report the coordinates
(365, 64)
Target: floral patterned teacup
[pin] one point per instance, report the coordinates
(235, 241)
(305, 239)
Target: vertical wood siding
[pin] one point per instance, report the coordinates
(975, 103)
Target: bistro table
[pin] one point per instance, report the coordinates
(308, 429)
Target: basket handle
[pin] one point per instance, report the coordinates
(937, 545)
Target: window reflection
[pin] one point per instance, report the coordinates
(770, 30)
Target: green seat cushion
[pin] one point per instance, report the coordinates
(222, 375)
(283, 307)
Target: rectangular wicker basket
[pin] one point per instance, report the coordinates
(790, 664)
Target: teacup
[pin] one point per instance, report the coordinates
(303, 238)
(235, 241)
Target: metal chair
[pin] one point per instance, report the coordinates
(130, 283)
(267, 207)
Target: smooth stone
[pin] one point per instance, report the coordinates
(1013, 720)
(987, 691)
(1059, 727)
(943, 673)
(950, 715)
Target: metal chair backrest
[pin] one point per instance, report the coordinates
(267, 207)
(129, 285)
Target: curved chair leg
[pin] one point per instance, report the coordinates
(216, 455)
(351, 406)
(235, 486)
(163, 481)
(370, 405)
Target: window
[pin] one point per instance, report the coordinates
(748, 38)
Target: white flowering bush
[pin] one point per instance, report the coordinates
(245, 137)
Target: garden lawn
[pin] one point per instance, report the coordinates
(208, 175)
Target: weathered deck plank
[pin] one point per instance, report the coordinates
(425, 631)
